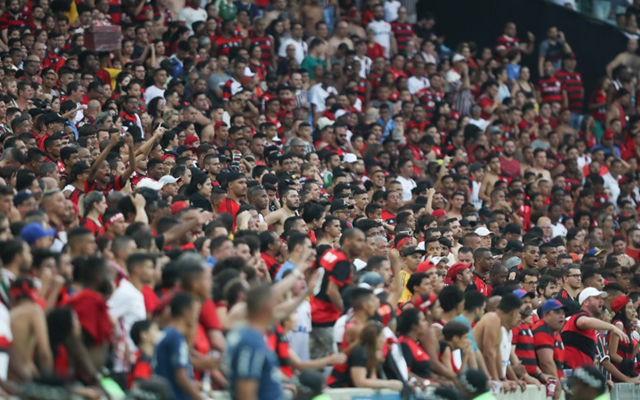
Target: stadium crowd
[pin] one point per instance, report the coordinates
(275, 198)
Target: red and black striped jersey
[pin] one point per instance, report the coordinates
(550, 89)
(526, 352)
(75, 195)
(505, 42)
(403, 32)
(579, 344)
(230, 88)
(335, 149)
(625, 350)
(335, 267)
(141, 370)
(157, 14)
(128, 120)
(599, 114)
(572, 83)
(225, 45)
(91, 225)
(272, 264)
(545, 338)
(429, 98)
(278, 342)
(115, 11)
(266, 45)
(142, 15)
(9, 21)
(418, 361)
(115, 184)
(480, 284)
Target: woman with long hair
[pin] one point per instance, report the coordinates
(199, 191)
(255, 63)
(524, 85)
(156, 107)
(91, 207)
(622, 354)
(122, 81)
(365, 360)
(169, 141)
(171, 117)
(412, 324)
(275, 32)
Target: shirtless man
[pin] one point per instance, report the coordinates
(290, 202)
(563, 127)
(628, 58)
(540, 157)
(339, 37)
(490, 178)
(493, 337)
(279, 6)
(311, 14)
(29, 328)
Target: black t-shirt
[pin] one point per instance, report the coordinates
(341, 374)
(416, 357)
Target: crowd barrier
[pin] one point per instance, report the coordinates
(621, 391)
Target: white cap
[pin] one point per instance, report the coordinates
(150, 183)
(350, 158)
(248, 72)
(437, 260)
(168, 179)
(590, 292)
(341, 112)
(482, 232)
(324, 121)
(458, 57)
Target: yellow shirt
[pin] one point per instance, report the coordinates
(406, 294)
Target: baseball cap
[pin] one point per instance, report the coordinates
(608, 134)
(590, 292)
(22, 196)
(457, 268)
(324, 121)
(521, 293)
(514, 245)
(513, 262)
(425, 266)
(512, 228)
(350, 158)
(341, 204)
(191, 139)
(80, 167)
(412, 250)
(248, 72)
(619, 303)
(371, 278)
(568, 56)
(552, 304)
(35, 231)
(149, 183)
(234, 176)
(341, 113)
(246, 80)
(178, 206)
(271, 77)
(482, 232)
(458, 57)
(596, 251)
(438, 213)
(168, 179)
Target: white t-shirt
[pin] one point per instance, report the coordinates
(505, 348)
(301, 49)
(383, 34)
(480, 123)
(391, 10)
(7, 337)
(299, 338)
(416, 84)
(407, 186)
(558, 230)
(475, 194)
(365, 66)
(319, 95)
(127, 306)
(190, 15)
(152, 92)
(359, 264)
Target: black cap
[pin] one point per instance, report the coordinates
(586, 192)
(341, 204)
(513, 228)
(464, 222)
(485, 211)
(475, 166)
(271, 77)
(80, 167)
(514, 245)
(234, 176)
(412, 250)
(428, 140)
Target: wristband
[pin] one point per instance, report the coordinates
(296, 272)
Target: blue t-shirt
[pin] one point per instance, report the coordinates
(249, 358)
(172, 352)
(461, 318)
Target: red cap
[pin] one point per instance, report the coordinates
(246, 80)
(439, 213)
(457, 268)
(619, 303)
(218, 125)
(608, 134)
(287, 101)
(425, 301)
(385, 312)
(284, 113)
(177, 206)
(424, 266)
(164, 157)
(191, 139)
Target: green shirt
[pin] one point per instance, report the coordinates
(309, 63)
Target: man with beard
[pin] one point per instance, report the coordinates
(460, 275)
(11, 18)
(483, 260)
(547, 288)
(377, 182)
(326, 305)
(633, 246)
(572, 283)
(236, 193)
(456, 232)
(547, 340)
(509, 165)
(579, 332)
(213, 166)
(290, 203)
(340, 140)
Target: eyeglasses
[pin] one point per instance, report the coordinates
(577, 276)
(532, 283)
(169, 164)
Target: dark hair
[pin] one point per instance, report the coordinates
(509, 303)
(407, 319)
(138, 328)
(454, 328)
(181, 301)
(450, 296)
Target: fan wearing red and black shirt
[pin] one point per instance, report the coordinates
(100, 175)
(522, 335)
(549, 88)
(11, 19)
(326, 302)
(402, 30)
(236, 193)
(509, 41)
(579, 332)
(144, 335)
(572, 88)
(392, 202)
(258, 36)
(547, 340)
(483, 261)
(339, 142)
